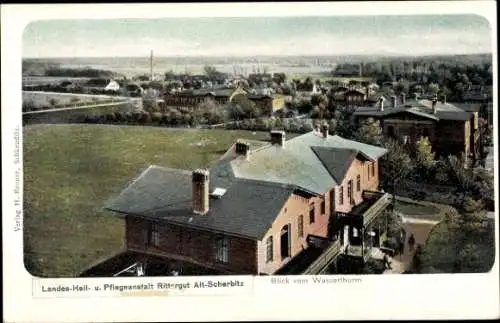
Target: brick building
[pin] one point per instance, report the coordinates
(258, 207)
(451, 130)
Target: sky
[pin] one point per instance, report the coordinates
(371, 35)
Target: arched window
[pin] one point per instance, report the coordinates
(285, 242)
(269, 249)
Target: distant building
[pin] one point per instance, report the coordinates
(270, 103)
(353, 96)
(191, 98)
(451, 130)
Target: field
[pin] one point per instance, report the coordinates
(60, 99)
(71, 170)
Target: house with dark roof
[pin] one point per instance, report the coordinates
(191, 98)
(352, 96)
(263, 207)
(450, 129)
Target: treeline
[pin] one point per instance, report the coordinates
(85, 72)
(454, 75)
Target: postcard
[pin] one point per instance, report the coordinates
(250, 161)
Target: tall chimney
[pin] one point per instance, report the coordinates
(243, 149)
(403, 98)
(200, 183)
(324, 130)
(278, 137)
(415, 96)
(151, 65)
(443, 99)
(393, 101)
(381, 103)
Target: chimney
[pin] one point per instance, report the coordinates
(278, 137)
(200, 183)
(381, 104)
(434, 102)
(393, 101)
(403, 98)
(443, 99)
(243, 148)
(415, 96)
(324, 130)
(317, 127)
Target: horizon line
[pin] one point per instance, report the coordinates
(271, 55)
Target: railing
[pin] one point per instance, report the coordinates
(325, 259)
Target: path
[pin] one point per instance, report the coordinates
(420, 229)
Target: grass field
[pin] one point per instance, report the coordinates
(61, 99)
(71, 170)
(420, 211)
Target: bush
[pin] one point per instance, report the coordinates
(391, 243)
(373, 266)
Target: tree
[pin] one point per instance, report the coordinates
(169, 75)
(424, 153)
(150, 101)
(369, 132)
(53, 102)
(395, 165)
(211, 71)
(346, 123)
(433, 88)
(403, 86)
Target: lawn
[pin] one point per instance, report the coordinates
(421, 209)
(71, 170)
(414, 210)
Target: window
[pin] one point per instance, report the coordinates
(311, 214)
(269, 249)
(285, 242)
(341, 195)
(301, 225)
(332, 201)
(349, 192)
(373, 168)
(358, 183)
(222, 249)
(153, 234)
(323, 207)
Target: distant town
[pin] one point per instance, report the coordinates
(258, 166)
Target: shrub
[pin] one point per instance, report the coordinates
(374, 266)
(156, 117)
(391, 243)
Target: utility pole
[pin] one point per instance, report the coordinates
(151, 65)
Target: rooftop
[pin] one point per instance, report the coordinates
(256, 188)
(422, 108)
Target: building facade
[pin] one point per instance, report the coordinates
(254, 210)
(451, 130)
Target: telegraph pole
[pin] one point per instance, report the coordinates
(151, 65)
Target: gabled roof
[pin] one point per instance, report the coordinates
(336, 161)
(297, 163)
(422, 108)
(248, 208)
(257, 187)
